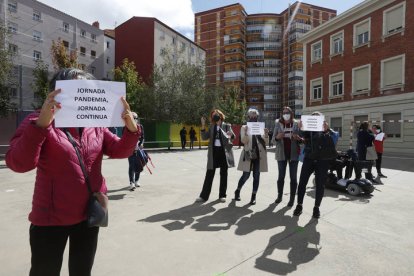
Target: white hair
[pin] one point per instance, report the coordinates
(253, 111)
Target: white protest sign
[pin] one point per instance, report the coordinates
(379, 136)
(312, 123)
(255, 128)
(90, 103)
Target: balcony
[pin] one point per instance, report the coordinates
(233, 41)
(231, 60)
(234, 51)
(293, 74)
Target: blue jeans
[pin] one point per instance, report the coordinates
(255, 166)
(293, 171)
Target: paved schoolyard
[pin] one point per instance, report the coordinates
(159, 230)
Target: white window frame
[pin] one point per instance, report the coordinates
(93, 37)
(313, 60)
(312, 88)
(80, 51)
(37, 36)
(369, 80)
(37, 55)
(332, 47)
(383, 88)
(82, 33)
(384, 21)
(65, 27)
(37, 16)
(331, 88)
(355, 37)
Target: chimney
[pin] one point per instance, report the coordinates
(96, 24)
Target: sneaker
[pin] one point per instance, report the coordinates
(381, 175)
(131, 186)
(200, 199)
(137, 184)
(316, 213)
(298, 210)
(222, 199)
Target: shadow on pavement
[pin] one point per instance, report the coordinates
(183, 216)
(302, 243)
(223, 219)
(116, 197)
(340, 195)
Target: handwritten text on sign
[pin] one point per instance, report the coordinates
(90, 103)
(255, 128)
(312, 123)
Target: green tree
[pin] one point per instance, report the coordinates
(40, 83)
(234, 108)
(6, 65)
(139, 95)
(63, 57)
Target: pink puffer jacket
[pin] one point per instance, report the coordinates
(60, 193)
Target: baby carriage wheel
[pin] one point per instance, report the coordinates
(353, 189)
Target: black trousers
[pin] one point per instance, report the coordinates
(134, 168)
(48, 244)
(219, 161)
(320, 167)
(378, 162)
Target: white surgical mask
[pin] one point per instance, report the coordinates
(286, 117)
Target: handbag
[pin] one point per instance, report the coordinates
(371, 154)
(97, 216)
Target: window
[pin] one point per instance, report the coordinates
(93, 70)
(93, 37)
(173, 41)
(393, 72)
(336, 124)
(361, 79)
(12, 6)
(13, 92)
(394, 19)
(316, 89)
(317, 51)
(37, 16)
(37, 36)
(66, 44)
(82, 51)
(93, 54)
(107, 60)
(336, 85)
(82, 66)
(107, 44)
(192, 51)
(392, 126)
(37, 55)
(65, 27)
(362, 32)
(13, 49)
(337, 43)
(82, 33)
(12, 28)
(182, 46)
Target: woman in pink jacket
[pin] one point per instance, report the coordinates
(60, 194)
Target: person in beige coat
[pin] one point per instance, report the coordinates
(253, 156)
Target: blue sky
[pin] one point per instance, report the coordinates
(178, 14)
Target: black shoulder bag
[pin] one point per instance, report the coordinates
(97, 215)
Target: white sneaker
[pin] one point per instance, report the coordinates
(137, 184)
(199, 199)
(222, 199)
(131, 186)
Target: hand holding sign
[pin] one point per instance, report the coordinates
(46, 116)
(128, 117)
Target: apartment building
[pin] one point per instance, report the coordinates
(358, 67)
(143, 41)
(258, 53)
(32, 27)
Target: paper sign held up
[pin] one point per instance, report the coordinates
(255, 128)
(90, 103)
(312, 123)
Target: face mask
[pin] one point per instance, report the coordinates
(286, 117)
(254, 119)
(216, 118)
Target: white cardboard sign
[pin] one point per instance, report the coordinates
(255, 128)
(90, 103)
(312, 123)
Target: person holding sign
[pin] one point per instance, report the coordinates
(253, 157)
(287, 152)
(319, 152)
(60, 199)
(379, 147)
(219, 155)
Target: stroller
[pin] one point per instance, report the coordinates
(348, 160)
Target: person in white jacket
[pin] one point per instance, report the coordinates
(253, 156)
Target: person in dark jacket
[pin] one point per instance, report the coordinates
(135, 161)
(192, 137)
(60, 198)
(183, 137)
(219, 155)
(319, 152)
(365, 139)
